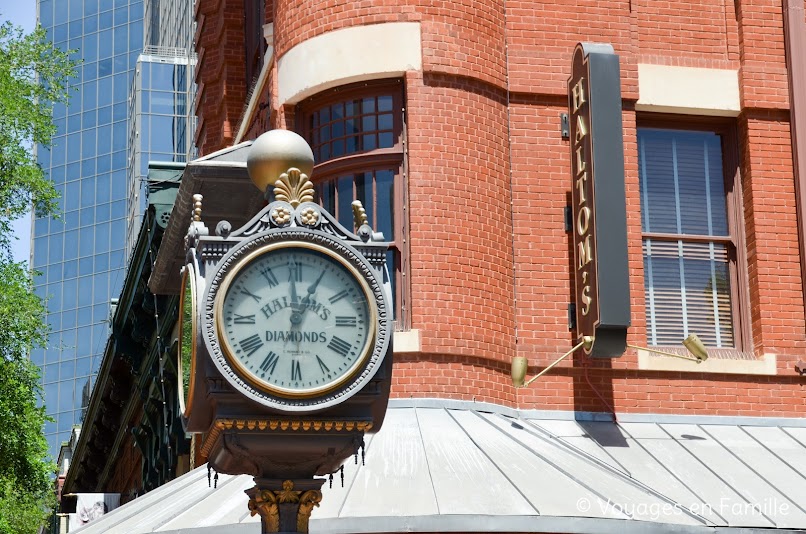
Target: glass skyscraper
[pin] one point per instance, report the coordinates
(158, 124)
(82, 256)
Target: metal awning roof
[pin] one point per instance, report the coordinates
(447, 466)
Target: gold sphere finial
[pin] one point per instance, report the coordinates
(273, 153)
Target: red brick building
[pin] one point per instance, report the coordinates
(482, 177)
(445, 119)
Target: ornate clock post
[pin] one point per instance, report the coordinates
(290, 360)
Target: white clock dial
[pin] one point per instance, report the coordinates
(296, 320)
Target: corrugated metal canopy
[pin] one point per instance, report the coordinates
(446, 466)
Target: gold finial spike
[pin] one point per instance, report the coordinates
(197, 207)
(294, 187)
(359, 214)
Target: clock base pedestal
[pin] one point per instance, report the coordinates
(281, 448)
(284, 506)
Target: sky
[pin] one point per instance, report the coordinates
(21, 13)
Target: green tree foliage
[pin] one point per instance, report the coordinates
(32, 77)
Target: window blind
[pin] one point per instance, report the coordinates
(686, 237)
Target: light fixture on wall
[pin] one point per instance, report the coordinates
(519, 363)
(692, 343)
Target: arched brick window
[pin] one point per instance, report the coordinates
(357, 134)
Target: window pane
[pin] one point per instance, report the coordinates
(101, 237)
(90, 49)
(68, 321)
(84, 316)
(86, 241)
(687, 292)
(384, 103)
(386, 140)
(681, 181)
(364, 193)
(67, 369)
(40, 252)
(84, 347)
(70, 245)
(88, 143)
(66, 395)
(51, 391)
(55, 252)
(327, 195)
(46, 12)
(83, 367)
(71, 220)
(101, 262)
(368, 105)
(88, 166)
(51, 373)
(344, 210)
(60, 33)
(121, 39)
(71, 268)
(90, 7)
(384, 181)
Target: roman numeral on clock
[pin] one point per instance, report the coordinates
(243, 319)
(324, 368)
(296, 371)
(338, 296)
(245, 291)
(345, 320)
(270, 363)
(294, 272)
(338, 345)
(269, 276)
(250, 344)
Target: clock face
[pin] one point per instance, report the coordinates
(296, 320)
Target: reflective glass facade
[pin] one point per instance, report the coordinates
(159, 128)
(82, 256)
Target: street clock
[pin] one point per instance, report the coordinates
(285, 337)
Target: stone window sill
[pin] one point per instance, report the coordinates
(406, 341)
(765, 364)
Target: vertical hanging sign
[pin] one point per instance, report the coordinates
(599, 210)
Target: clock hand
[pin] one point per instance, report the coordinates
(296, 315)
(312, 287)
(306, 300)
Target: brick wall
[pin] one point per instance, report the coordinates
(220, 74)
(488, 177)
(460, 218)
